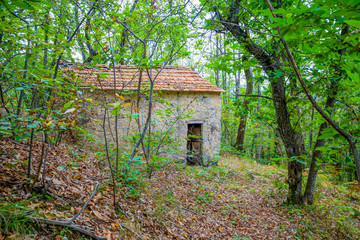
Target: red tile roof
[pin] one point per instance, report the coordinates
(171, 78)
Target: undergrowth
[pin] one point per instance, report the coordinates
(13, 219)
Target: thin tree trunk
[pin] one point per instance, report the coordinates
(80, 42)
(259, 147)
(311, 132)
(46, 39)
(239, 145)
(92, 51)
(27, 56)
(313, 170)
(217, 58)
(237, 81)
(330, 103)
(124, 35)
(109, 161)
(298, 133)
(224, 77)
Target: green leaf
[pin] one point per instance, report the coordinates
(68, 104)
(157, 168)
(353, 23)
(138, 162)
(125, 56)
(323, 149)
(4, 130)
(356, 213)
(326, 135)
(116, 105)
(301, 161)
(278, 158)
(353, 76)
(23, 4)
(33, 125)
(278, 73)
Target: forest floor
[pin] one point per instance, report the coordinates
(238, 199)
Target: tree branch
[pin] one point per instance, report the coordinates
(260, 96)
(273, 35)
(85, 205)
(66, 224)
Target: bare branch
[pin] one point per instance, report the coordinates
(85, 205)
(273, 35)
(66, 224)
(260, 96)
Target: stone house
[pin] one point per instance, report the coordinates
(184, 105)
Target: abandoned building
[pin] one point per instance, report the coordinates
(184, 105)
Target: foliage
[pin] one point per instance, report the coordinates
(13, 219)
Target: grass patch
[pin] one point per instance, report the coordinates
(13, 219)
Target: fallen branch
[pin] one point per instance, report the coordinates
(85, 205)
(66, 224)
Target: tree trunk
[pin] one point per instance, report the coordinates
(92, 51)
(329, 105)
(259, 147)
(239, 145)
(288, 137)
(298, 133)
(217, 78)
(237, 82)
(313, 170)
(311, 132)
(299, 137)
(277, 145)
(271, 65)
(79, 40)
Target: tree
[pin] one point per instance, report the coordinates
(272, 65)
(239, 144)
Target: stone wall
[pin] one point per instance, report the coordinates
(169, 109)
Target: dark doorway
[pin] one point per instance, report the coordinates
(194, 143)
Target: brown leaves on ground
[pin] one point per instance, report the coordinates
(205, 207)
(236, 201)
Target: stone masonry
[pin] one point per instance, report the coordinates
(178, 91)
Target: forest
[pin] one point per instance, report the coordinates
(288, 166)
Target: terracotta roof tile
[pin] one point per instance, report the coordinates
(171, 78)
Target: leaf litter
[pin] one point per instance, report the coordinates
(179, 202)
